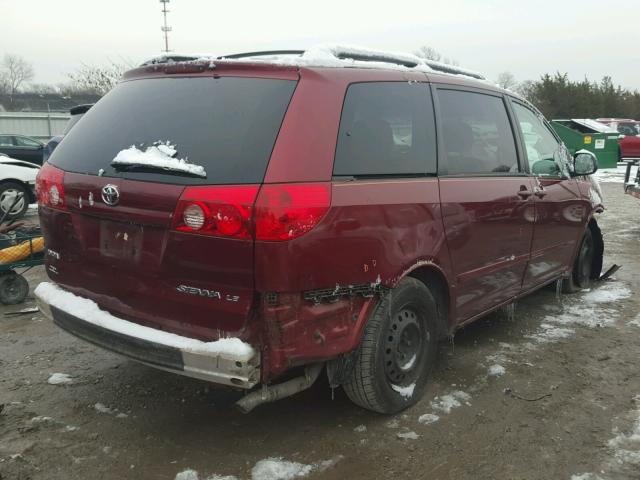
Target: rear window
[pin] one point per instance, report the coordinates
(387, 128)
(227, 125)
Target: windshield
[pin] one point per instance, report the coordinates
(226, 125)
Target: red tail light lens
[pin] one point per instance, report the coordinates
(287, 211)
(50, 187)
(221, 211)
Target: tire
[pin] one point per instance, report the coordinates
(8, 191)
(581, 273)
(397, 350)
(13, 288)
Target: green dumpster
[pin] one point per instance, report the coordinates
(579, 133)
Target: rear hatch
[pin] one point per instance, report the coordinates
(164, 238)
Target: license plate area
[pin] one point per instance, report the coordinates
(121, 241)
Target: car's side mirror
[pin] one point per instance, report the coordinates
(584, 163)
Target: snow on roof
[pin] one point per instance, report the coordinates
(594, 125)
(334, 56)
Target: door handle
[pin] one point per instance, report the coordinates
(524, 193)
(540, 192)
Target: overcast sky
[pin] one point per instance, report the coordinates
(581, 37)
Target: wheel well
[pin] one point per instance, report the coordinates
(439, 288)
(598, 243)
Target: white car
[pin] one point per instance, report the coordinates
(17, 179)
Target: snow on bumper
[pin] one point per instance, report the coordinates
(227, 361)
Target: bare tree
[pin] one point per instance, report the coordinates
(430, 53)
(14, 71)
(96, 79)
(506, 80)
(525, 89)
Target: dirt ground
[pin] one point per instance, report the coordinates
(550, 393)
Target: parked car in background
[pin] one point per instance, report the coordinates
(17, 178)
(630, 142)
(21, 147)
(220, 231)
(76, 114)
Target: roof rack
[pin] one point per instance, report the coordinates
(444, 68)
(377, 57)
(262, 53)
(335, 52)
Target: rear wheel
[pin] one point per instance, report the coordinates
(580, 277)
(9, 192)
(397, 350)
(13, 288)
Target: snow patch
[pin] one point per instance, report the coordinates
(406, 392)
(496, 370)
(101, 408)
(89, 311)
(407, 435)
(60, 379)
(635, 321)
(187, 475)
(614, 175)
(360, 429)
(428, 418)
(392, 423)
(161, 154)
(275, 468)
(41, 419)
(446, 403)
(609, 292)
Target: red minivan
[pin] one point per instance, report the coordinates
(241, 220)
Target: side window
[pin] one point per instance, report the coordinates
(25, 142)
(542, 149)
(477, 135)
(387, 128)
(5, 141)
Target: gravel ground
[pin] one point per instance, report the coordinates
(552, 392)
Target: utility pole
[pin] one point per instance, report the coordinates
(165, 28)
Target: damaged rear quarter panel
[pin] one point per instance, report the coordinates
(377, 229)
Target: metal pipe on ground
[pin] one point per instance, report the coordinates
(276, 392)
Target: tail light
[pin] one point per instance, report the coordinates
(50, 187)
(221, 211)
(280, 211)
(287, 211)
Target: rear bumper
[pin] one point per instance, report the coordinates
(152, 347)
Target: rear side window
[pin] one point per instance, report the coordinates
(477, 135)
(387, 128)
(227, 125)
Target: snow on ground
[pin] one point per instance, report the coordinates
(428, 418)
(161, 155)
(60, 379)
(89, 311)
(408, 435)
(590, 309)
(446, 403)
(273, 468)
(496, 370)
(635, 321)
(360, 429)
(624, 450)
(614, 175)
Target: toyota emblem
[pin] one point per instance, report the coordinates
(110, 195)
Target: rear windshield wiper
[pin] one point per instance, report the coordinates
(134, 167)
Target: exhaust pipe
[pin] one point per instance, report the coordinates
(275, 392)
